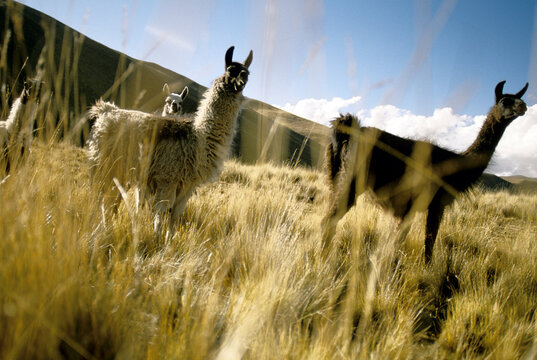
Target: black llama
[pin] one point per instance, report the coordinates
(405, 175)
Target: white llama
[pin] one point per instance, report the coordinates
(167, 157)
(173, 105)
(16, 131)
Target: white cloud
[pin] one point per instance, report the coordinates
(443, 127)
(516, 153)
(320, 110)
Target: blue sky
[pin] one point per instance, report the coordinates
(421, 68)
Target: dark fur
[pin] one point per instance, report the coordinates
(407, 175)
(170, 128)
(236, 75)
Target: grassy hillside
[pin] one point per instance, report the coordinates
(241, 277)
(76, 71)
(523, 183)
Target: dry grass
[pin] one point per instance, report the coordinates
(240, 276)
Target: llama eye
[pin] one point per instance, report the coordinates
(508, 102)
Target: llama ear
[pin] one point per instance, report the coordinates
(166, 89)
(229, 56)
(184, 93)
(522, 92)
(248, 60)
(498, 91)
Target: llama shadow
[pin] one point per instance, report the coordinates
(437, 292)
(430, 321)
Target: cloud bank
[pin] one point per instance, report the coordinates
(320, 110)
(516, 153)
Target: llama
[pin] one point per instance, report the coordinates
(167, 157)
(173, 105)
(408, 176)
(16, 131)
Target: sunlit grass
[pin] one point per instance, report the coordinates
(240, 275)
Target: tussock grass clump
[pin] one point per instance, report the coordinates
(241, 274)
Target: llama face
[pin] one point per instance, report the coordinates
(30, 99)
(25, 95)
(236, 75)
(173, 105)
(29, 92)
(511, 105)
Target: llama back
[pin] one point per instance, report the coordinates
(120, 145)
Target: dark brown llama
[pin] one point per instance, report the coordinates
(407, 176)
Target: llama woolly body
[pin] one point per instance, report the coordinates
(167, 157)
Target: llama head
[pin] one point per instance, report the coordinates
(29, 91)
(173, 105)
(236, 75)
(511, 105)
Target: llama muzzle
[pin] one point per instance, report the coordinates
(522, 108)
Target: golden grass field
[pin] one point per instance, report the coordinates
(240, 276)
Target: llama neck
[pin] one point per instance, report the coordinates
(488, 138)
(215, 122)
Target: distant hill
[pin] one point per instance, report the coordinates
(79, 71)
(517, 183)
(523, 183)
(493, 182)
(517, 179)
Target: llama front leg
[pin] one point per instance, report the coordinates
(328, 230)
(164, 202)
(434, 217)
(180, 204)
(341, 203)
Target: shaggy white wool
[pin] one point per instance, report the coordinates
(167, 157)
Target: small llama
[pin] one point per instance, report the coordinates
(173, 105)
